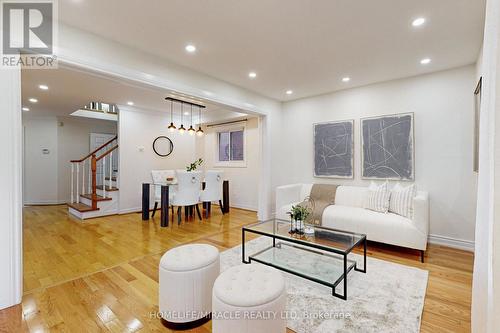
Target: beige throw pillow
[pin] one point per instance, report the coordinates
(401, 202)
(377, 198)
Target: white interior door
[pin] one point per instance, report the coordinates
(97, 140)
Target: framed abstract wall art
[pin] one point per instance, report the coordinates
(333, 149)
(387, 144)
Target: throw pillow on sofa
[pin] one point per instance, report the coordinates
(401, 201)
(377, 198)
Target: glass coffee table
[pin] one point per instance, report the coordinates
(320, 257)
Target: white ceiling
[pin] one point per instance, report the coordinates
(306, 46)
(71, 89)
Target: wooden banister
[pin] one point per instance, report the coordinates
(106, 153)
(95, 150)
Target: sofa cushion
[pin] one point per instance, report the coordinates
(351, 196)
(380, 227)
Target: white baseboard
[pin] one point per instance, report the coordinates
(461, 244)
(130, 210)
(45, 202)
(246, 207)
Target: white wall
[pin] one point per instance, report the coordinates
(444, 113)
(243, 181)
(486, 278)
(10, 189)
(136, 133)
(40, 170)
(47, 177)
(73, 137)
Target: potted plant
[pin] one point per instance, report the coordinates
(298, 214)
(194, 165)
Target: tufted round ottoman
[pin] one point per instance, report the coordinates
(249, 299)
(187, 276)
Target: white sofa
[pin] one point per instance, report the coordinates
(348, 214)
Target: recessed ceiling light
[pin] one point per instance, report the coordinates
(190, 48)
(425, 61)
(43, 87)
(130, 103)
(33, 100)
(346, 79)
(26, 109)
(289, 92)
(418, 22)
(252, 75)
(186, 113)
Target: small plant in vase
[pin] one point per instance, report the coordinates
(193, 166)
(298, 214)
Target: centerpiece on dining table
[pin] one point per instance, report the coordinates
(193, 166)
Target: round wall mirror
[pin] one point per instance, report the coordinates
(163, 146)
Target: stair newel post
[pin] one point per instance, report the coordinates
(110, 170)
(93, 163)
(72, 180)
(77, 182)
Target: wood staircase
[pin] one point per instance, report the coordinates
(94, 189)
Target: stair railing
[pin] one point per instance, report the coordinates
(88, 180)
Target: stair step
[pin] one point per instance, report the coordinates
(81, 207)
(98, 197)
(112, 178)
(99, 187)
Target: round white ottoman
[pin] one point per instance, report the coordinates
(249, 299)
(187, 276)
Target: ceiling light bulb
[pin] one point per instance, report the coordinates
(418, 22)
(26, 109)
(43, 87)
(130, 103)
(199, 132)
(182, 129)
(425, 61)
(33, 100)
(289, 92)
(171, 127)
(346, 79)
(190, 48)
(191, 130)
(252, 75)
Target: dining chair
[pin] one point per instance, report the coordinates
(212, 190)
(188, 192)
(160, 178)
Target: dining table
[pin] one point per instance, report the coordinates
(164, 201)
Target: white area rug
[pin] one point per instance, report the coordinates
(388, 298)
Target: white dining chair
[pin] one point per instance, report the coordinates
(188, 192)
(213, 189)
(160, 178)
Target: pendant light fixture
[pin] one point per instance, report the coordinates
(191, 130)
(182, 129)
(172, 127)
(199, 132)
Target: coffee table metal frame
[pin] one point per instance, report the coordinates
(311, 247)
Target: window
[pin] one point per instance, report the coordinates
(231, 145)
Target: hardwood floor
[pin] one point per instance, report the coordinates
(101, 275)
